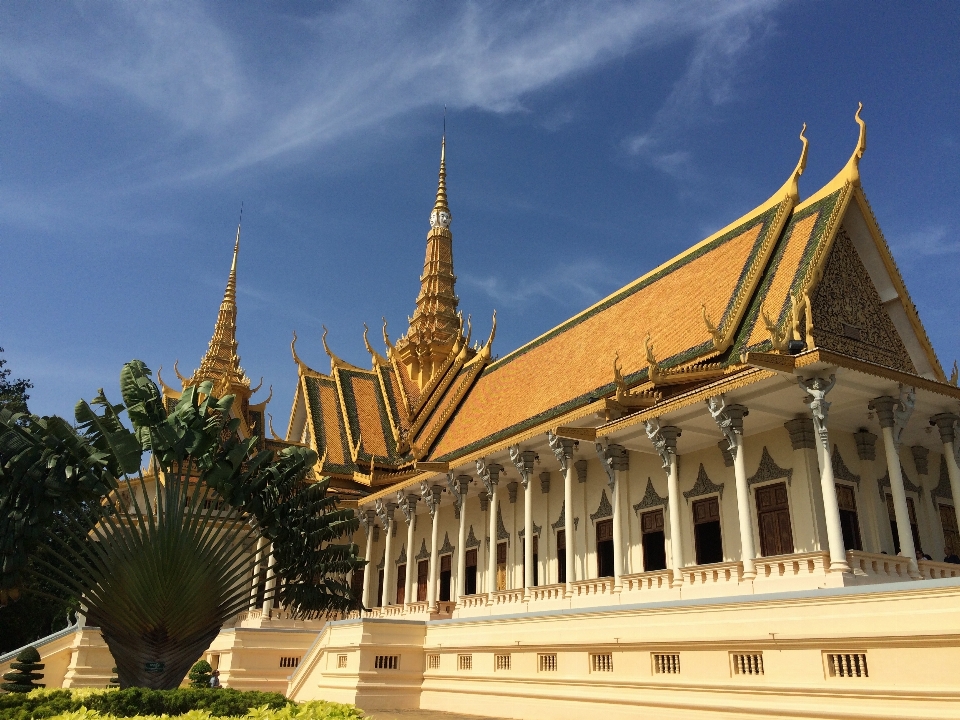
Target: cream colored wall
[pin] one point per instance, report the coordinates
(910, 634)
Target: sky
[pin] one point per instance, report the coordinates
(587, 142)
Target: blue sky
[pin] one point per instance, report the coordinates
(586, 143)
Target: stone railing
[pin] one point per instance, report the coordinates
(249, 615)
(472, 601)
(421, 607)
(878, 567)
(507, 597)
(599, 586)
(653, 580)
(546, 592)
(932, 570)
(717, 573)
(798, 565)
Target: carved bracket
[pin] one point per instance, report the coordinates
(817, 388)
(562, 448)
(523, 460)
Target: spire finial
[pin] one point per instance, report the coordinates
(852, 170)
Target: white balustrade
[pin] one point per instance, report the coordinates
(652, 580)
(597, 586)
(878, 567)
(933, 570)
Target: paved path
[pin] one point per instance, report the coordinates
(420, 715)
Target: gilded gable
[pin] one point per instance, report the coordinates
(849, 317)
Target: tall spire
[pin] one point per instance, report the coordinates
(221, 364)
(435, 326)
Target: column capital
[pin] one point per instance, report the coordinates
(512, 488)
(613, 457)
(385, 511)
(489, 474)
(729, 418)
(581, 467)
(562, 448)
(866, 444)
(801, 433)
(367, 519)
(523, 460)
(946, 424)
(431, 496)
(407, 504)
(664, 439)
(884, 407)
(545, 482)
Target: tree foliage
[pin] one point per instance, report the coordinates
(157, 565)
(13, 393)
(26, 672)
(200, 674)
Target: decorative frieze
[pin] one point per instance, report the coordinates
(424, 554)
(402, 557)
(502, 533)
(604, 510)
(560, 524)
(446, 547)
(703, 486)
(472, 541)
(884, 483)
(536, 531)
(942, 490)
(801, 433)
(769, 470)
(650, 499)
(840, 469)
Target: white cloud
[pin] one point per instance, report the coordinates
(928, 242)
(710, 80)
(578, 283)
(238, 95)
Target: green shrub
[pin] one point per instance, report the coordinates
(200, 674)
(25, 674)
(131, 702)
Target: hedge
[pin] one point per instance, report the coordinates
(134, 702)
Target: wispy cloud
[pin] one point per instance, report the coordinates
(709, 81)
(928, 242)
(574, 284)
(342, 70)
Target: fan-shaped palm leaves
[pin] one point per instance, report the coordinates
(157, 564)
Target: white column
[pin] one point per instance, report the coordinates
(945, 422)
(729, 419)
(490, 476)
(875, 511)
(563, 449)
(463, 483)
(389, 566)
(408, 504)
(523, 460)
(261, 541)
(664, 439)
(431, 496)
(893, 416)
(271, 583)
(367, 520)
(817, 388)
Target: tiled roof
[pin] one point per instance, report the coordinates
(573, 363)
(367, 421)
(329, 432)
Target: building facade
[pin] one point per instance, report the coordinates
(726, 489)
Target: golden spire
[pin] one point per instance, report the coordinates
(221, 364)
(435, 326)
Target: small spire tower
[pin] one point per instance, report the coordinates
(221, 363)
(435, 326)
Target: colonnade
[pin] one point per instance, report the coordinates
(892, 413)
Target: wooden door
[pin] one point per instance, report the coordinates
(501, 566)
(951, 535)
(849, 519)
(401, 584)
(470, 579)
(605, 548)
(423, 570)
(706, 531)
(773, 519)
(653, 541)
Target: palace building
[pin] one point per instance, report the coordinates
(714, 493)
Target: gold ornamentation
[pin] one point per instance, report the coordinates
(711, 328)
(778, 336)
(954, 373)
(653, 370)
